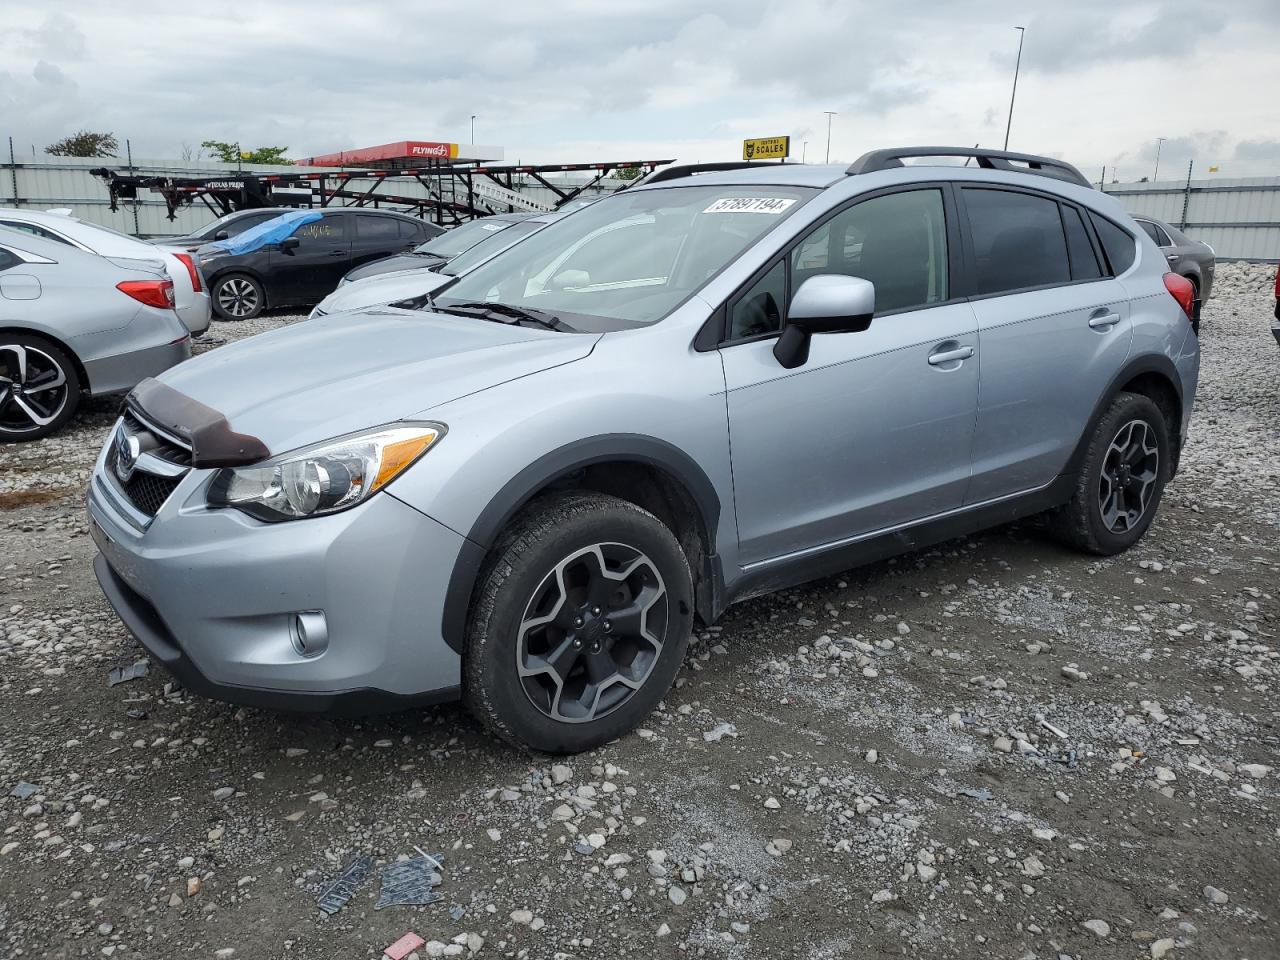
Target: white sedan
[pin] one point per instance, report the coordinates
(190, 298)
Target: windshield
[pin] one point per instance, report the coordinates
(630, 259)
(234, 224)
(490, 246)
(453, 242)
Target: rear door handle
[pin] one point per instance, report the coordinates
(947, 356)
(1104, 321)
(1171, 257)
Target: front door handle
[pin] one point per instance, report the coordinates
(337, 253)
(1104, 321)
(1172, 257)
(948, 356)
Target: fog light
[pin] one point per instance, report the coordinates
(310, 632)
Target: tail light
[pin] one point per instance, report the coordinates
(189, 262)
(1278, 283)
(1182, 290)
(154, 293)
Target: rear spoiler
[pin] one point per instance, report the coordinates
(213, 443)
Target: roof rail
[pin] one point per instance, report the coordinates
(689, 169)
(892, 157)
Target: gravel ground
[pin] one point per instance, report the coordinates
(996, 748)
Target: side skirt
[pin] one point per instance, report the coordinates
(770, 575)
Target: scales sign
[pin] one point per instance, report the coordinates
(766, 148)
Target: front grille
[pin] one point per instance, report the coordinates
(148, 479)
(147, 492)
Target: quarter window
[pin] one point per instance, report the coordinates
(1018, 240)
(897, 241)
(760, 309)
(1117, 243)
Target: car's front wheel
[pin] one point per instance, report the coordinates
(39, 387)
(1126, 466)
(580, 622)
(238, 297)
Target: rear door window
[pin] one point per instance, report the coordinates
(1018, 240)
(1084, 261)
(1155, 233)
(34, 230)
(1116, 243)
(369, 227)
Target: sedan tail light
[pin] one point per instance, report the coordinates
(1182, 290)
(1278, 283)
(154, 293)
(189, 262)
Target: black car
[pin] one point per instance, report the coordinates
(440, 249)
(306, 266)
(229, 226)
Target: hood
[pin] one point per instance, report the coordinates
(377, 291)
(401, 261)
(335, 375)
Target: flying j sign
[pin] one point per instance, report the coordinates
(766, 148)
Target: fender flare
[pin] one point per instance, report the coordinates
(568, 459)
(1148, 363)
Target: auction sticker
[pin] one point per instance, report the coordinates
(770, 205)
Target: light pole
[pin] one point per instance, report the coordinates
(473, 129)
(830, 114)
(1022, 35)
(804, 149)
(1156, 173)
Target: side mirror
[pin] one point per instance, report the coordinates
(828, 303)
(289, 244)
(222, 235)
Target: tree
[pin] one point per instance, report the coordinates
(85, 144)
(232, 153)
(626, 173)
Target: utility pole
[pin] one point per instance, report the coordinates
(473, 129)
(1022, 35)
(804, 148)
(830, 114)
(1159, 143)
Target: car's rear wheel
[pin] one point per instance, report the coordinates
(580, 622)
(238, 297)
(39, 387)
(1126, 466)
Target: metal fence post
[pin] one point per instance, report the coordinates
(13, 174)
(128, 149)
(1186, 197)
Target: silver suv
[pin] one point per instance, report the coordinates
(713, 385)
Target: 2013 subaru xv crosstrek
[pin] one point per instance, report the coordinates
(710, 386)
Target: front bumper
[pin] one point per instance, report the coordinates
(212, 594)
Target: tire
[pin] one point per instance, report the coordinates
(40, 402)
(1129, 453)
(544, 598)
(238, 296)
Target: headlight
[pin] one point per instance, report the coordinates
(326, 477)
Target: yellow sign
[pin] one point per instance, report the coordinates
(766, 148)
(1213, 169)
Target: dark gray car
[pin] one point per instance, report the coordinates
(1193, 259)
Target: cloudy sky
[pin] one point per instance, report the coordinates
(582, 80)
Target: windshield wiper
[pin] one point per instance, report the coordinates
(491, 310)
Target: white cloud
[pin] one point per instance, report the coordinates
(576, 80)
